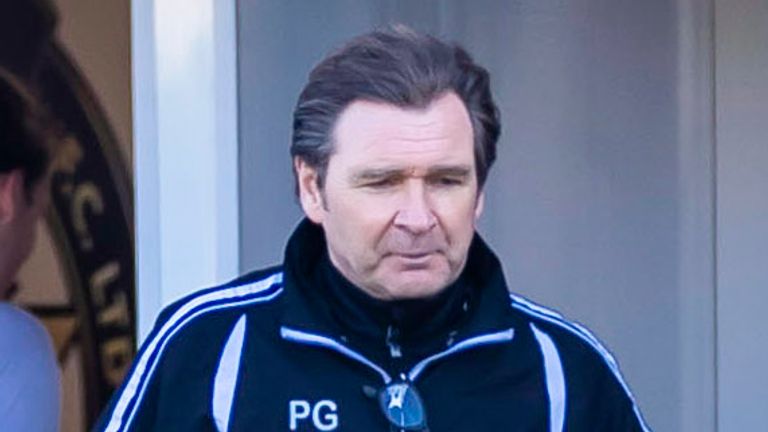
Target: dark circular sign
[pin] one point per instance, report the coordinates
(90, 218)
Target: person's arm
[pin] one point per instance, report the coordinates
(133, 406)
(599, 397)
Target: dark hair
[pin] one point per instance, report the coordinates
(24, 140)
(397, 66)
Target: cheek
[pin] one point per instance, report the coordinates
(365, 211)
(356, 224)
(457, 215)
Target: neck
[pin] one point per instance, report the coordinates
(6, 277)
(414, 318)
(6, 289)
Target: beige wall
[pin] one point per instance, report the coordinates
(97, 34)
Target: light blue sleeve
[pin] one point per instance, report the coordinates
(29, 375)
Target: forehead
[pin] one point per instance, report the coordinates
(375, 133)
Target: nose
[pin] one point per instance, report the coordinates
(415, 214)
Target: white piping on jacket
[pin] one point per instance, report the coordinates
(553, 370)
(327, 342)
(225, 382)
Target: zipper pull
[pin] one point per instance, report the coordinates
(394, 348)
(451, 338)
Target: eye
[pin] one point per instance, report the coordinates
(447, 181)
(382, 183)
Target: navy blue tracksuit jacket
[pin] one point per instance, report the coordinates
(298, 348)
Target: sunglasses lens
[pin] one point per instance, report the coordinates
(402, 405)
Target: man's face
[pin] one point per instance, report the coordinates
(400, 199)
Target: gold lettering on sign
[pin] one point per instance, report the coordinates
(100, 279)
(67, 159)
(116, 313)
(68, 156)
(115, 359)
(86, 196)
(115, 352)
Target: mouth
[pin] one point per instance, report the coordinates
(414, 259)
(413, 254)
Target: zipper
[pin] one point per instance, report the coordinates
(394, 347)
(313, 339)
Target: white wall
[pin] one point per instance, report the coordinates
(98, 36)
(185, 125)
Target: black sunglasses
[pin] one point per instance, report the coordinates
(403, 407)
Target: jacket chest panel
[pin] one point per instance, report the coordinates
(312, 388)
(486, 390)
(308, 389)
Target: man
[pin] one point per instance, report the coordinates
(389, 311)
(29, 375)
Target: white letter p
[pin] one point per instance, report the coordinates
(297, 409)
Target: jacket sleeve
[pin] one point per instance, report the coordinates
(598, 395)
(614, 403)
(133, 406)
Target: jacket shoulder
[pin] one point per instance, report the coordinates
(591, 372)
(569, 335)
(230, 295)
(195, 326)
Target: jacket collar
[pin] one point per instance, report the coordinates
(310, 307)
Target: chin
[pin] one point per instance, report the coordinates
(416, 289)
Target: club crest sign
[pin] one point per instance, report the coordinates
(90, 217)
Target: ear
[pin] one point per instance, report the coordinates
(310, 196)
(479, 205)
(11, 195)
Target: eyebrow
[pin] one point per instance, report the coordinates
(380, 173)
(375, 174)
(450, 170)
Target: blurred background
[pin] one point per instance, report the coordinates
(630, 193)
